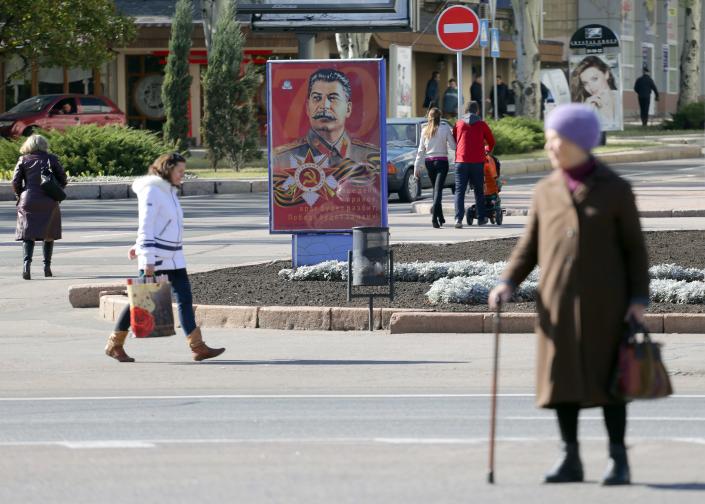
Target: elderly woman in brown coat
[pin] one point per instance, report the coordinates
(38, 215)
(584, 234)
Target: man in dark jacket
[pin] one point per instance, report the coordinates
(471, 135)
(450, 100)
(502, 95)
(643, 87)
(476, 90)
(431, 96)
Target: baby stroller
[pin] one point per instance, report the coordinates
(493, 186)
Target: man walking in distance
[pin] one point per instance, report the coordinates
(450, 100)
(471, 134)
(476, 90)
(431, 98)
(643, 87)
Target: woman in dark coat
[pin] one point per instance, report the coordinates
(38, 215)
(584, 234)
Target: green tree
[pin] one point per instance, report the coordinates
(229, 122)
(177, 80)
(70, 33)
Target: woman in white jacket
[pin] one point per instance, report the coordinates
(436, 140)
(159, 250)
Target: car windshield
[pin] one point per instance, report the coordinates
(401, 135)
(35, 104)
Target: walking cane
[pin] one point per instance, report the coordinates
(495, 370)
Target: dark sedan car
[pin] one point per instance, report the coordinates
(402, 143)
(58, 111)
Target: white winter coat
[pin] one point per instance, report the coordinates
(161, 224)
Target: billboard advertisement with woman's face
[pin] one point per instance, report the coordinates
(326, 125)
(595, 80)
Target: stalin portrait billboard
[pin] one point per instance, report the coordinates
(325, 125)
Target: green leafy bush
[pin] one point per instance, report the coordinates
(691, 116)
(93, 150)
(515, 135)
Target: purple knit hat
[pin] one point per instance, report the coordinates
(576, 122)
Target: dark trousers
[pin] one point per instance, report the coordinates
(437, 172)
(181, 289)
(475, 174)
(644, 102)
(615, 421)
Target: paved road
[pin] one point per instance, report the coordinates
(315, 417)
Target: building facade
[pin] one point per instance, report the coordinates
(651, 33)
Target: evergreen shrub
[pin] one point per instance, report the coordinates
(93, 150)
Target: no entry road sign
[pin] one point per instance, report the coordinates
(458, 28)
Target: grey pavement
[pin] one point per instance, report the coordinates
(289, 416)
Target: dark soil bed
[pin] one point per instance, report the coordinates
(259, 285)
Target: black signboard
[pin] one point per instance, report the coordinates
(593, 38)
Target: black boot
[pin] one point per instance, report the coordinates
(618, 467)
(434, 222)
(48, 249)
(569, 469)
(28, 252)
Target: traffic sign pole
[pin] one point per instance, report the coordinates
(458, 28)
(484, 42)
(459, 70)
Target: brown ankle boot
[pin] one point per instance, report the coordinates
(115, 349)
(200, 350)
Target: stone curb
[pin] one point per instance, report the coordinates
(123, 190)
(662, 153)
(423, 207)
(117, 190)
(397, 320)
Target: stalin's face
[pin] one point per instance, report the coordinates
(328, 108)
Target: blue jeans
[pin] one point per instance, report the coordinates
(475, 174)
(181, 289)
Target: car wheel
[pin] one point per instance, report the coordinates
(28, 131)
(411, 188)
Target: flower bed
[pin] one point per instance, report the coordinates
(469, 282)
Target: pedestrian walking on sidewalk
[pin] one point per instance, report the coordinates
(159, 250)
(38, 214)
(584, 234)
(431, 95)
(436, 140)
(471, 134)
(450, 100)
(643, 87)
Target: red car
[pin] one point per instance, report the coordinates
(58, 111)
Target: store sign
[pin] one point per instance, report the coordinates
(593, 39)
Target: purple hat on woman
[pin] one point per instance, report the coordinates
(576, 122)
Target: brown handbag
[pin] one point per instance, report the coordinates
(640, 372)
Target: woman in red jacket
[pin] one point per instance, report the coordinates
(471, 134)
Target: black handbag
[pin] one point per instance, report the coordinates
(50, 185)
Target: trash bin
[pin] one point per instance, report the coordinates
(370, 263)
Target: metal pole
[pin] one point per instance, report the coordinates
(494, 72)
(459, 71)
(307, 42)
(482, 87)
(372, 314)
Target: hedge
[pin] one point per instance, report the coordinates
(516, 135)
(95, 151)
(691, 116)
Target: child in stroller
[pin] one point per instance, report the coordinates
(493, 186)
